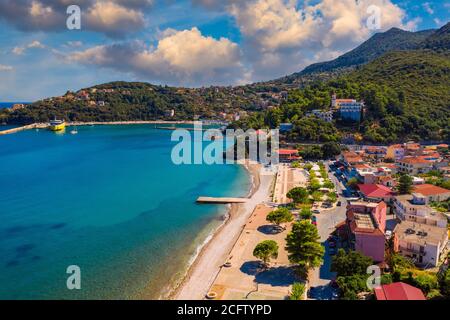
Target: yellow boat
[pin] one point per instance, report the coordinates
(57, 125)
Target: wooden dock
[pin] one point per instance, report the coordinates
(223, 200)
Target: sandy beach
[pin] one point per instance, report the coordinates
(205, 268)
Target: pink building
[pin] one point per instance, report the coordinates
(366, 223)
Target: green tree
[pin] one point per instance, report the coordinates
(317, 195)
(298, 291)
(279, 216)
(330, 149)
(352, 183)
(295, 164)
(303, 246)
(298, 195)
(347, 264)
(444, 283)
(306, 213)
(314, 185)
(266, 250)
(405, 184)
(328, 184)
(332, 196)
(352, 285)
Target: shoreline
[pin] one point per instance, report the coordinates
(206, 264)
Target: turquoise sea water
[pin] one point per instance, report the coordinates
(108, 200)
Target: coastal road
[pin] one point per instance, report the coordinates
(326, 221)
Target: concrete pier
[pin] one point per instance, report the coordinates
(27, 127)
(222, 200)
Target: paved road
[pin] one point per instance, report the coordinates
(326, 222)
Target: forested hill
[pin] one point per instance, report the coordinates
(379, 44)
(392, 40)
(407, 96)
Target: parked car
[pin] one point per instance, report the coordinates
(334, 284)
(316, 211)
(332, 251)
(339, 203)
(332, 244)
(388, 234)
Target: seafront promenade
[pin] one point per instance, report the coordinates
(93, 123)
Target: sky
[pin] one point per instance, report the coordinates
(188, 43)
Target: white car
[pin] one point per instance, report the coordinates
(388, 234)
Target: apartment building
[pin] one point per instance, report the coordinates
(420, 242)
(366, 223)
(413, 208)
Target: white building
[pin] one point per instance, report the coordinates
(413, 208)
(420, 242)
(324, 115)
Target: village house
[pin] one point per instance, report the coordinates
(376, 192)
(349, 109)
(374, 153)
(414, 165)
(387, 181)
(413, 149)
(395, 152)
(420, 242)
(413, 208)
(323, 115)
(288, 155)
(364, 173)
(366, 223)
(350, 158)
(432, 192)
(398, 291)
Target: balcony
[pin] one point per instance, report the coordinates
(412, 251)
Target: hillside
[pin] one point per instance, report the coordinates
(439, 40)
(122, 101)
(422, 81)
(392, 40)
(407, 96)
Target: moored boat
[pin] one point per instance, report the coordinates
(57, 125)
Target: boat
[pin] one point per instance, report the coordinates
(57, 125)
(74, 131)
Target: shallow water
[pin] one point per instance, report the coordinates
(108, 200)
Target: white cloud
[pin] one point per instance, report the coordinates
(114, 19)
(32, 45)
(74, 44)
(283, 36)
(427, 7)
(4, 68)
(181, 58)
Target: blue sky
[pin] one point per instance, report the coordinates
(185, 43)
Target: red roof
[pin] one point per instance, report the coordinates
(398, 291)
(287, 151)
(429, 189)
(375, 190)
